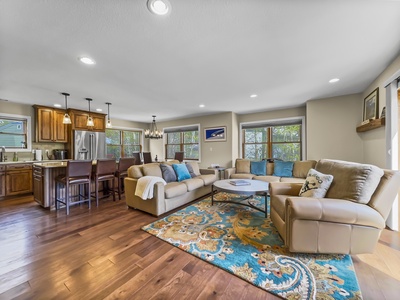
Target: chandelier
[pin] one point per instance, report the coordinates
(153, 132)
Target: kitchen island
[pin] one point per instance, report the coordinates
(44, 185)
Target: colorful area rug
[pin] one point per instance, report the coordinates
(241, 241)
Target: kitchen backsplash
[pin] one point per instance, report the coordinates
(36, 146)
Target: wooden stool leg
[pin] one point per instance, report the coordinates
(67, 197)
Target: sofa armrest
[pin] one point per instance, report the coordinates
(208, 171)
(229, 172)
(284, 188)
(332, 210)
(155, 206)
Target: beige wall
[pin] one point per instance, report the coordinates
(211, 152)
(375, 140)
(331, 128)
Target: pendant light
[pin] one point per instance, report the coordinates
(153, 132)
(108, 125)
(90, 119)
(67, 118)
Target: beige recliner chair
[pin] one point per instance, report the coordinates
(348, 220)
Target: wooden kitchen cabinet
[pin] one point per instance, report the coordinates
(49, 125)
(2, 181)
(18, 179)
(79, 120)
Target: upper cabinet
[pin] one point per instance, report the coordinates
(49, 125)
(79, 119)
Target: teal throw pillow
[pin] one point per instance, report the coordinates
(181, 171)
(258, 168)
(283, 168)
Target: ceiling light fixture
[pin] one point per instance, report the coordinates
(201, 105)
(108, 125)
(99, 109)
(89, 119)
(87, 60)
(334, 80)
(253, 96)
(67, 118)
(153, 132)
(57, 105)
(159, 7)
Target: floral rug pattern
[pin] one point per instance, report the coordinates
(241, 241)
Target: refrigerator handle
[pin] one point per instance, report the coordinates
(91, 136)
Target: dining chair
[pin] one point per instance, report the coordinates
(179, 155)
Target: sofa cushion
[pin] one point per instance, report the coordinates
(168, 173)
(135, 172)
(152, 170)
(174, 189)
(258, 168)
(207, 178)
(267, 178)
(316, 184)
(283, 168)
(242, 176)
(193, 168)
(278, 204)
(181, 172)
(270, 168)
(193, 183)
(301, 168)
(293, 179)
(351, 181)
(242, 166)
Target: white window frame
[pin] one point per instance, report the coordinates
(28, 132)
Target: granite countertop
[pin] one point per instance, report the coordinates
(51, 164)
(33, 162)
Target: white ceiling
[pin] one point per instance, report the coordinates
(214, 52)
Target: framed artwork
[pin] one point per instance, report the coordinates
(371, 105)
(215, 134)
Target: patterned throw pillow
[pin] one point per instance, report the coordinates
(168, 173)
(316, 184)
(181, 171)
(283, 168)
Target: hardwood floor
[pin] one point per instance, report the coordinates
(103, 253)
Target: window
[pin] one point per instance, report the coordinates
(122, 143)
(184, 139)
(264, 141)
(15, 132)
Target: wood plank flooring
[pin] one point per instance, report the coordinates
(103, 254)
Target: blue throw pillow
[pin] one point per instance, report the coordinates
(258, 168)
(283, 168)
(181, 171)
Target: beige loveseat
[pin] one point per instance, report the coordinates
(349, 219)
(173, 194)
(242, 170)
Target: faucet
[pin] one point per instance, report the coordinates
(3, 154)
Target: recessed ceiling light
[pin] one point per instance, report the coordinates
(57, 105)
(201, 105)
(87, 60)
(334, 80)
(159, 7)
(253, 96)
(99, 109)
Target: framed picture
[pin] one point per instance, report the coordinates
(371, 105)
(215, 134)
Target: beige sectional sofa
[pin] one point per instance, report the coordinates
(348, 219)
(169, 196)
(242, 170)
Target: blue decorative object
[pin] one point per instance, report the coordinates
(283, 168)
(258, 168)
(181, 172)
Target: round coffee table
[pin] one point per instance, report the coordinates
(252, 188)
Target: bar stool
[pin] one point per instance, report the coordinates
(136, 155)
(104, 171)
(122, 172)
(78, 173)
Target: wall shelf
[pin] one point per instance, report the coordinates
(371, 125)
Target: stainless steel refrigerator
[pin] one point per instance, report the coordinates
(89, 145)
